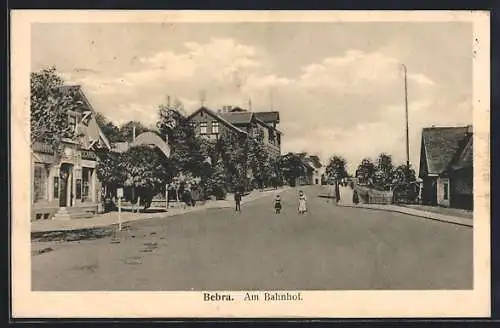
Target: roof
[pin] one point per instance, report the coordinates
(307, 164)
(237, 117)
(152, 139)
(268, 117)
(465, 156)
(67, 89)
(441, 145)
(217, 116)
(315, 160)
(121, 147)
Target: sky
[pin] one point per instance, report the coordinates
(339, 87)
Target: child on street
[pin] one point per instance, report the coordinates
(277, 204)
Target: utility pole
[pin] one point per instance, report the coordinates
(406, 118)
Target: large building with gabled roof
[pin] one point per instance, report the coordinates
(242, 122)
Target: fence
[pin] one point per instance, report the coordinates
(373, 196)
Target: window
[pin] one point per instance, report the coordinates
(215, 127)
(40, 182)
(78, 188)
(445, 191)
(193, 125)
(203, 128)
(86, 176)
(56, 187)
(72, 121)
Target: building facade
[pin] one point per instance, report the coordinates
(242, 122)
(64, 182)
(446, 167)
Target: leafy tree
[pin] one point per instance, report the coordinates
(366, 171)
(216, 184)
(384, 173)
(336, 168)
(50, 105)
(292, 167)
(147, 172)
(127, 130)
(233, 150)
(259, 159)
(186, 155)
(181, 181)
(110, 169)
(110, 130)
(403, 183)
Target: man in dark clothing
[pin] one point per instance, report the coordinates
(337, 192)
(237, 200)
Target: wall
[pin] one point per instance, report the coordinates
(50, 204)
(462, 189)
(443, 195)
(204, 117)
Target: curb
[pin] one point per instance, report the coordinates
(164, 215)
(451, 220)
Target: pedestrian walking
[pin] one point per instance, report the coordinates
(277, 204)
(355, 197)
(237, 200)
(337, 192)
(302, 203)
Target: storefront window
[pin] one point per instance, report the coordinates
(86, 176)
(56, 187)
(40, 182)
(78, 188)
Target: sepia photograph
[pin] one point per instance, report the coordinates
(251, 163)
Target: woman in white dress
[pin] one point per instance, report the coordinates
(302, 203)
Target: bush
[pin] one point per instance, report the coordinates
(220, 193)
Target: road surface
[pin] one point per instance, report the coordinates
(330, 248)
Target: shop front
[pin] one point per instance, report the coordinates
(67, 181)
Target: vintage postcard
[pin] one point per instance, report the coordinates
(250, 164)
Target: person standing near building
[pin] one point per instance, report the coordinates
(237, 200)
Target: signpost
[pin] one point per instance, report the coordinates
(119, 194)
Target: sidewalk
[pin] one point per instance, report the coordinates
(108, 219)
(414, 212)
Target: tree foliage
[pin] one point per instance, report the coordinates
(110, 130)
(233, 150)
(292, 167)
(383, 178)
(186, 155)
(366, 171)
(127, 130)
(50, 105)
(336, 168)
(110, 168)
